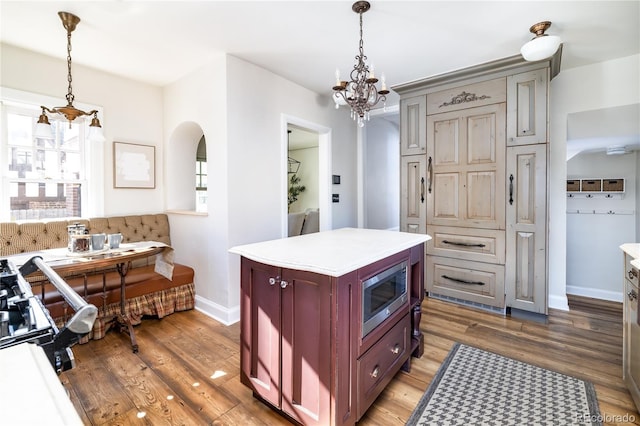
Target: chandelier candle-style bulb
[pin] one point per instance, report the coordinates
(360, 93)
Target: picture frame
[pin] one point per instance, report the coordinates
(134, 165)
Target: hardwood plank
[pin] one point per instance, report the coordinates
(111, 385)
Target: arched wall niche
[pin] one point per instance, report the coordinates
(180, 166)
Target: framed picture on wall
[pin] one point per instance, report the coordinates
(134, 165)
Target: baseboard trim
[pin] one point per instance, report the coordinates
(226, 316)
(558, 302)
(595, 293)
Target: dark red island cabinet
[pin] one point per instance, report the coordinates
(303, 352)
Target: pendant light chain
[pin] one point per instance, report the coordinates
(69, 96)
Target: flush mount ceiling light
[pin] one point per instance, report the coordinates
(43, 128)
(542, 46)
(360, 93)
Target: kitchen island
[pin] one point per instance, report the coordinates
(327, 319)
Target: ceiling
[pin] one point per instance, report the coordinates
(305, 41)
(159, 42)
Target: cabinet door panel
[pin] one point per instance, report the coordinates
(446, 141)
(526, 228)
(445, 196)
(468, 152)
(480, 191)
(413, 113)
(413, 207)
(260, 330)
(306, 327)
(527, 99)
(481, 139)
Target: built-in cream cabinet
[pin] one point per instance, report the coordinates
(484, 178)
(630, 322)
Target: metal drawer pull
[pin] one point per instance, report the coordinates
(272, 280)
(375, 372)
(396, 349)
(463, 281)
(632, 295)
(284, 284)
(633, 274)
(454, 243)
(511, 189)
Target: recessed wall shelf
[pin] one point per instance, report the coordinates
(595, 188)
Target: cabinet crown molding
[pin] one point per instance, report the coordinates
(504, 64)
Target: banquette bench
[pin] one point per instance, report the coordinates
(147, 292)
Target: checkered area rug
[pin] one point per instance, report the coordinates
(475, 387)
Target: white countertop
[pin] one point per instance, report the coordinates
(632, 249)
(31, 392)
(332, 253)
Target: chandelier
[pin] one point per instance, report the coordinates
(360, 93)
(43, 128)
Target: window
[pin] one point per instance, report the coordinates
(43, 178)
(201, 176)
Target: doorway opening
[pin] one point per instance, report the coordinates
(306, 149)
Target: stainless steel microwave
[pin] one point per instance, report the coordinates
(382, 295)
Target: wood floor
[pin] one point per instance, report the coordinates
(187, 369)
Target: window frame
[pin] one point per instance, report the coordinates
(92, 169)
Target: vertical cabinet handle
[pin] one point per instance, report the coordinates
(422, 190)
(430, 172)
(511, 189)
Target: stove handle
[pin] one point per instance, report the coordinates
(82, 321)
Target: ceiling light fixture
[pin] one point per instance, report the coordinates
(43, 128)
(360, 93)
(542, 46)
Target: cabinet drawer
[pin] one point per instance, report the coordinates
(379, 364)
(471, 95)
(482, 245)
(471, 281)
(631, 274)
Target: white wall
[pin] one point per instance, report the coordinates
(381, 174)
(308, 174)
(239, 108)
(132, 113)
(606, 84)
(593, 240)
